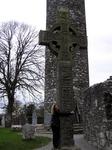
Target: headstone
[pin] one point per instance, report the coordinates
(28, 132)
(34, 117)
(60, 39)
(3, 121)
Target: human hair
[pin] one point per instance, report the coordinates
(54, 108)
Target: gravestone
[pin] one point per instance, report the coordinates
(2, 120)
(28, 132)
(60, 39)
(34, 117)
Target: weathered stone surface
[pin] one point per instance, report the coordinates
(70, 148)
(28, 131)
(97, 120)
(60, 40)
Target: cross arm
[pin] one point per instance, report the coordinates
(43, 38)
(46, 37)
(49, 39)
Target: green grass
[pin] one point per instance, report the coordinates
(10, 140)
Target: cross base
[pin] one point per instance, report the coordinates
(70, 148)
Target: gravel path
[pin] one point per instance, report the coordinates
(79, 141)
(82, 143)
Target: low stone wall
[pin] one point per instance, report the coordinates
(97, 126)
(16, 127)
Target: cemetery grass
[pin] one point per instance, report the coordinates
(10, 140)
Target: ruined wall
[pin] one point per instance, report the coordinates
(97, 126)
(80, 55)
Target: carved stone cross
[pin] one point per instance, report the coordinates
(60, 39)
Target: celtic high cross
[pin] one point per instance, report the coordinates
(60, 39)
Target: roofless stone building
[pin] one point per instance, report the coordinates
(97, 113)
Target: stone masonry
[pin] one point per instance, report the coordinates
(79, 54)
(97, 115)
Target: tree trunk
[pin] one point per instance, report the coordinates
(8, 122)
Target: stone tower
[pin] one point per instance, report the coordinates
(80, 54)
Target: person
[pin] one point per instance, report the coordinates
(55, 124)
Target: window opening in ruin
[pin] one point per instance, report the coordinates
(108, 105)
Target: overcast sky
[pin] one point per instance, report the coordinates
(99, 29)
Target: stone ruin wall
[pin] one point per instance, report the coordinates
(80, 56)
(97, 128)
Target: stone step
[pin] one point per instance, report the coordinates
(78, 128)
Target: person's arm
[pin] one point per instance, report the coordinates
(66, 113)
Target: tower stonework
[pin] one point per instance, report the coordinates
(80, 54)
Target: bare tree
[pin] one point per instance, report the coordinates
(21, 62)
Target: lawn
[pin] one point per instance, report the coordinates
(10, 140)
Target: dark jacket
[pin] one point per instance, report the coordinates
(55, 118)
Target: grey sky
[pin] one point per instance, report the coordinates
(99, 29)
